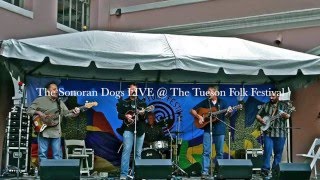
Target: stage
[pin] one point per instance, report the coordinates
(255, 176)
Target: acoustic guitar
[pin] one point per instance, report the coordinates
(206, 113)
(50, 120)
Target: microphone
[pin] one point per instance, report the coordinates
(134, 93)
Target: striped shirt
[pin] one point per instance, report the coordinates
(278, 127)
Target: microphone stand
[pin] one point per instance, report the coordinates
(171, 138)
(175, 163)
(211, 139)
(229, 139)
(135, 137)
(20, 125)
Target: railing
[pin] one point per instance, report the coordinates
(74, 13)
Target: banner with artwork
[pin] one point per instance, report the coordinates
(172, 104)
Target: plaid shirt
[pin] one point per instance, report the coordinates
(278, 127)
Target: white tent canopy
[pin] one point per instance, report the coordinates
(161, 57)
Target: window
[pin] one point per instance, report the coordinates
(15, 2)
(74, 13)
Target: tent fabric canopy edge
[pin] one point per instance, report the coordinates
(121, 50)
(103, 55)
(164, 76)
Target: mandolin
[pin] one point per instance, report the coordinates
(133, 114)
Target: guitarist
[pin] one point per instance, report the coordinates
(51, 136)
(218, 130)
(128, 126)
(274, 138)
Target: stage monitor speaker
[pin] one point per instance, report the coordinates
(285, 171)
(60, 169)
(153, 168)
(234, 169)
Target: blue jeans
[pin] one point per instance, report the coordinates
(128, 137)
(43, 147)
(219, 142)
(276, 144)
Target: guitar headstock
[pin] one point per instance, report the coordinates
(149, 108)
(238, 107)
(90, 104)
(291, 109)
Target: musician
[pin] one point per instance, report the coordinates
(51, 136)
(154, 132)
(218, 130)
(123, 107)
(275, 136)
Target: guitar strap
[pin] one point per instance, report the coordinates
(58, 105)
(59, 109)
(274, 109)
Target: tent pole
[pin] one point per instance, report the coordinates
(37, 67)
(158, 76)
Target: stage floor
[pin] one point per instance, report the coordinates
(254, 177)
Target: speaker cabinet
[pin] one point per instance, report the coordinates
(60, 169)
(234, 169)
(153, 168)
(288, 171)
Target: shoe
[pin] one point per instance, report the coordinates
(204, 176)
(264, 173)
(123, 178)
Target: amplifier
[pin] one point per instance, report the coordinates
(255, 155)
(16, 143)
(16, 123)
(15, 130)
(12, 156)
(89, 152)
(16, 115)
(15, 137)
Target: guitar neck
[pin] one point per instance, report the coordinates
(82, 108)
(219, 112)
